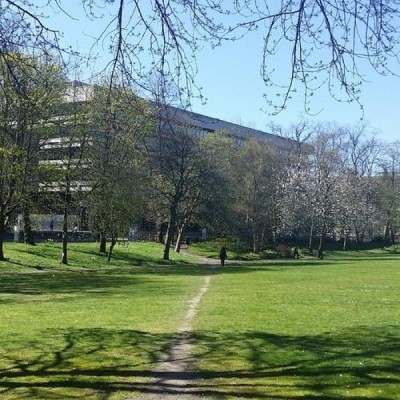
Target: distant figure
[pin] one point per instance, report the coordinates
(222, 256)
(296, 252)
(51, 225)
(75, 228)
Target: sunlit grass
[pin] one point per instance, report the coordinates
(90, 330)
(299, 330)
(278, 329)
(21, 257)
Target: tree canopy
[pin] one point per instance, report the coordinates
(324, 43)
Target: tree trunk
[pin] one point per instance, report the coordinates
(28, 234)
(2, 231)
(357, 236)
(64, 257)
(103, 243)
(262, 237)
(169, 237)
(274, 235)
(256, 243)
(392, 235)
(170, 230)
(112, 244)
(168, 242)
(159, 236)
(386, 230)
(321, 246)
(345, 241)
(179, 240)
(181, 229)
(310, 238)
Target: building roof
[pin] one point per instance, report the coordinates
(79, 91)
(211, 124)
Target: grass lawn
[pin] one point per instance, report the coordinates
(303, 329)
(91, 330)
(276, 329)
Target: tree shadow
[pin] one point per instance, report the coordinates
(328, 366)
(59, 286)
(48, 256)
(102, 281)
(98, 363)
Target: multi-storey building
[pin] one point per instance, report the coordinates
(54, 149)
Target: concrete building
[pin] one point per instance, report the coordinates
(198, 124)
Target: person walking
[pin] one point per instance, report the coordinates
(223, 256)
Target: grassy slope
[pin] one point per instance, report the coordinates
(22, 258)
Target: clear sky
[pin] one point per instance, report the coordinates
(234, 89)
(231, 81)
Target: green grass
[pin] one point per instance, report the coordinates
(91, 330)
(302, 329)
(278, 329)
(85, 255)
(236, 250)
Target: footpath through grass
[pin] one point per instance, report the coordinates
(277, 329)
(91, 330)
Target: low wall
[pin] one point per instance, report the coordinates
(55, 236)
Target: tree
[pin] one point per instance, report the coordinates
(259, 174)
(30, 89)
(357, 201)
(311, 188)
(390, 190)
(120, 122)
(325, 43)
(217, 211)
(176, 172)
(210, 184)
(326, 170)
(295, 202)
(356, 207)
(66, 156)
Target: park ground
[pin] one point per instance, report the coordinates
(264, 329)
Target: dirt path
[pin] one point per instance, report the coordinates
(175, 377)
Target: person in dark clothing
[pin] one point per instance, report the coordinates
(222, 256)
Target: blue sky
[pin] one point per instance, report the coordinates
(231, 81)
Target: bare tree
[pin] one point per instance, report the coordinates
(299, 135)
(324, 43)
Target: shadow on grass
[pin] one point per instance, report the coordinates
(98, 281)
(56, 286)
(129, 257)
(49, 255)
(103, 281)
(87, 363)
(86, 257)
